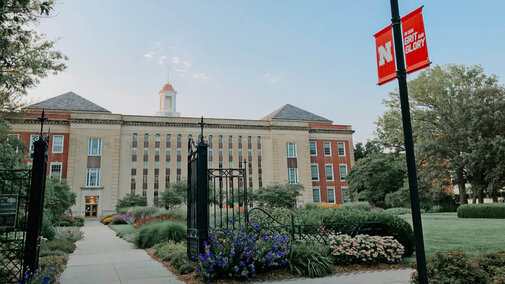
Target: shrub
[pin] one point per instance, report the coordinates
(58, 198)
(158, 232)
(141, 212)
(47, 230)
(124, 210)
(398, 211)
(365, 249)
(174, 213)
(327, 205)
(238, 254)
(435, 209)
(131, 200)
(58, 244)
(79, 221)
(492, 263)
(453, 267)
(362, 205)
(47, 252)
(169, 251)
(126, 232)
(39, 277)
(187, 267)
(310, 260)
(72, 234)
(279, 195)
(310, 205)
(53, 264)
(495, 211)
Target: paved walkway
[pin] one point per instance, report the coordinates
(376, 277)
(101, 257)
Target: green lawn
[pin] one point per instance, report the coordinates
(445, 231)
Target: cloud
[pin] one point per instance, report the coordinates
(148, 55)
(163, 59)
(200, 76)
(273, 79)
(175, 60)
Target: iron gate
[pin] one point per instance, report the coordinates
(14, 196)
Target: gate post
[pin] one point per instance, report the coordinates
(36, 204)
(202, 195)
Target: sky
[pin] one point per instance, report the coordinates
(244, 59)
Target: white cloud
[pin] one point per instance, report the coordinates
(200, 76)
(148, 55)
(273, 79)
(175, 60)
(163, 59)
(187, 64)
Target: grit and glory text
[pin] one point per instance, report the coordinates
(413, 40)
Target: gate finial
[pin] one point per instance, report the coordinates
(201, 129)
(42, 118)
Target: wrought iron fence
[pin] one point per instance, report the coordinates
(14, 196)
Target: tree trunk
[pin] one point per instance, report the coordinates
(480, 194)
(460, 181)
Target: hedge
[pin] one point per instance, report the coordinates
(491, 211)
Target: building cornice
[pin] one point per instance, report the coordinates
(331, 131)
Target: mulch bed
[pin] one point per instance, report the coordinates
(274, 275)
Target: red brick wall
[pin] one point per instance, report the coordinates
(321, 160)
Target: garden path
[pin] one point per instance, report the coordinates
(395, 276)
(101, 257)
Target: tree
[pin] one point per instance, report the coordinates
(58, 198)
(457, 116)
(131, 200)
(370, 148)
(170, 198)
(181, 188)
(13, 149)
(372, 177)
(25, 55)
(279, 195)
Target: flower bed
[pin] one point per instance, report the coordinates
(119, 219)
(239, 254)
(365, 249)
(141, 221)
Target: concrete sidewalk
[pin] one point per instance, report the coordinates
(101, 257)
(376, 277)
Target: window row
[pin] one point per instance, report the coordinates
(330, 195)
(57, 143)
(328, 170)
(179, 138)
(327, 148)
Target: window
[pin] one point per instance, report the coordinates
(134, 151)
(167, 164)
(292, 175)
(313, 148)
(156, 164)
(93, 177)
(134, 138)
(240, 139)
(345, 194)
(220, 152)
(314, 171)
(331, 195)
(210, 139)
(146, 151)
(168, 151)
(341, 148)
(94, 147)
(32, 139)
(327, 148)
(146, 137)
(134, 165)
(249, 152)
(230, 139)
(343, 172)
(249, 140)
(329, 172)
(168, 138)
(230, 153)
(179, 138)
(291, 150)
(179, 151)
(210, 164)
(178, 164)
(57, 143)
(210, 152)
(259, 152)
(55, 170)
(316, 195)
(230, 164)
(240, 152)
(259, 140)
(220, 139)
(157, 137)
(156, 151)
(145, 164)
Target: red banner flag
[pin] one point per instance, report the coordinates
(414, 41)
(384, 48)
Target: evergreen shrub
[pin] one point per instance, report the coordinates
(491, 211)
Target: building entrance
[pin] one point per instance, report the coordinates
(91, 207)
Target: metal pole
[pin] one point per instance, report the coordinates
(401, 74)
